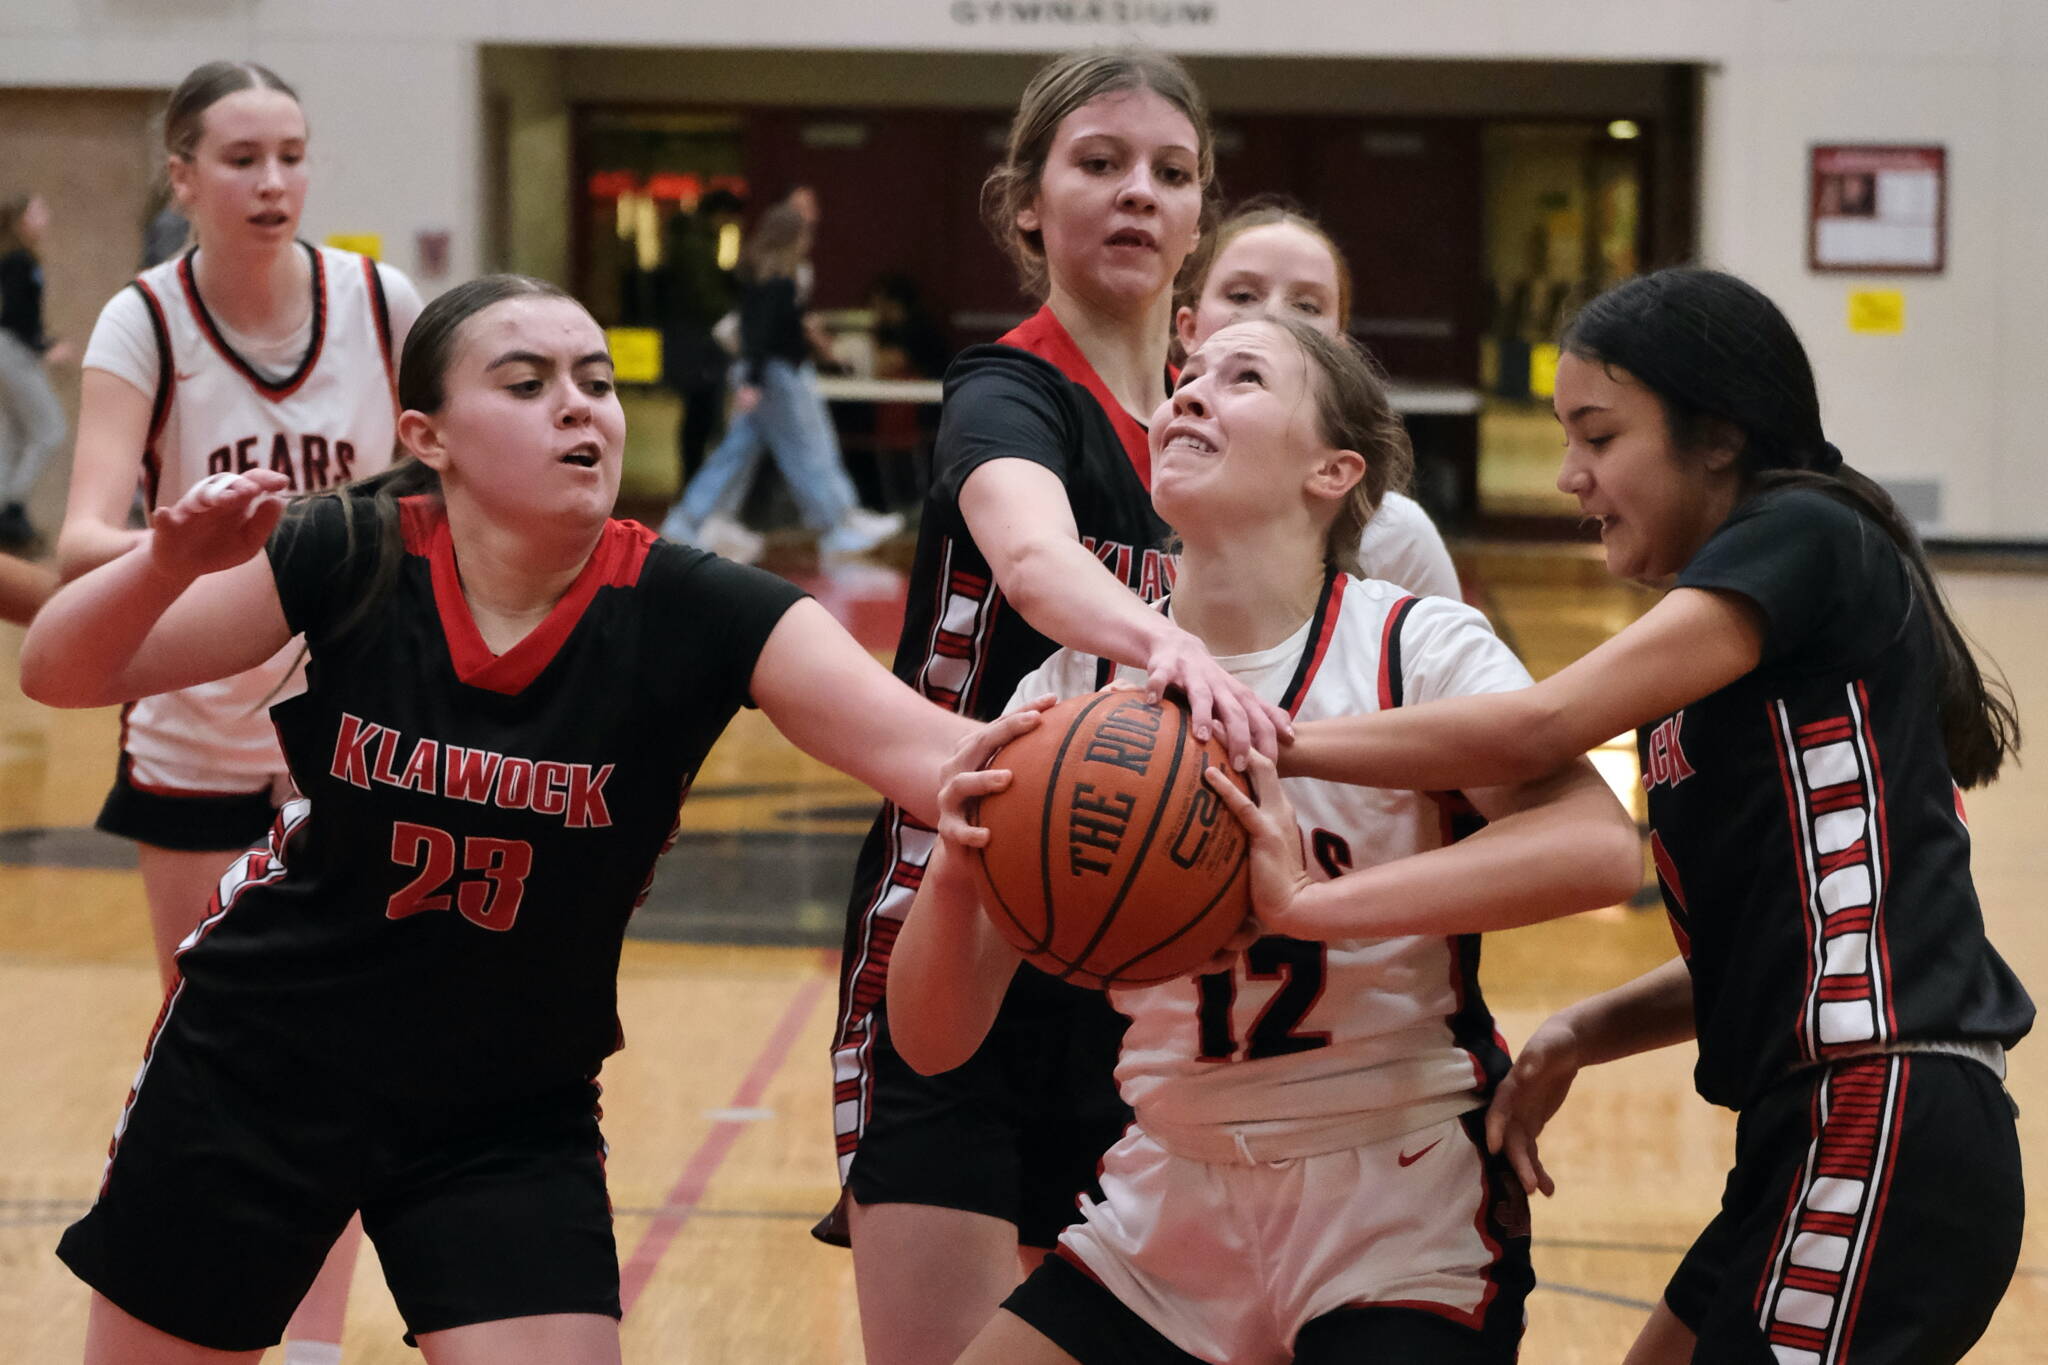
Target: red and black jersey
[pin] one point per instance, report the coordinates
(1806, 830)
(1030, 396)
(443, 915)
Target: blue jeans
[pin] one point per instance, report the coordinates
(792, 423)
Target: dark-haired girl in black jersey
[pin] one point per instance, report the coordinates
(400, 1003)
(1806, 711)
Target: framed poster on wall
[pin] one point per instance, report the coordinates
(1878, 209)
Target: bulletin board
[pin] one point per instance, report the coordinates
(1878, 209)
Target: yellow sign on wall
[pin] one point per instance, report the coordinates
(1543, 369)
(636, 354)
(1879, 312)
(362, 243)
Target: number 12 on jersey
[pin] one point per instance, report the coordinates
(489, 900)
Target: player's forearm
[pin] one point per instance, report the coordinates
(1453, 745)
(1065, 594)
(948, 972)
(1652, 1011)
(1576, 852)
(84, 638)
(85, 543)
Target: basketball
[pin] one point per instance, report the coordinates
(1110, 861)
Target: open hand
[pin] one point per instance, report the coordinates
(219, 522)
(1279, 875)
(1216, 700)
(1534, 1088)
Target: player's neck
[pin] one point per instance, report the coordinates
(1245, 595)
(512, 579)
(1128, 350)
(262, 291)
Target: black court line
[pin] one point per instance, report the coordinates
(1597, 1295)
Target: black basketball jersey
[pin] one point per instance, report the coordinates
(442, 916)
(1030, 396)
(1807, 834)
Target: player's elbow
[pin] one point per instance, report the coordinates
(1608, 852)
(45, 679)
(924, 1044)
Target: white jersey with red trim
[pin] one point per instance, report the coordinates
(1304, 1037)
(332, 419)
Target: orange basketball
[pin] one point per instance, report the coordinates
(1110, 861)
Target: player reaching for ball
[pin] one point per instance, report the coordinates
(1307, 1178)
(400, 1003)
(1037, 532)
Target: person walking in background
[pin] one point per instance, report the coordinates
(32, 423)
(778, 399)
(694, 295)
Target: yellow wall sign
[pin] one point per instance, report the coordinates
(362, 243)
(636, 354)
(1880, 312)
(1543, 369)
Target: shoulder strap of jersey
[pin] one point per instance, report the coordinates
(381, 310)
(1390, 653)
(166, 385)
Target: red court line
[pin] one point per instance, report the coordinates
(711, 1153)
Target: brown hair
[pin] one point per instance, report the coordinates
(1353, 412)
(777, 245)
(1061, 86)
(1266, 210)
(205, 86)
(422, 387)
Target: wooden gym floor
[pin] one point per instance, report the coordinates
(717, 1112)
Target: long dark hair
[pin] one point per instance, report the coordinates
(1718, 354)
(422, 375)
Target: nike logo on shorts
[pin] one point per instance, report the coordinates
(1407, 1160)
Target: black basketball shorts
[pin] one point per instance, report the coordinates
(234, 1168)
(1873, 1215)
(194, 821)
(1016, 1133)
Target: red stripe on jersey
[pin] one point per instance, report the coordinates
(381, 325)
(1328, 609)
(1822, 731)
(621, 551)
(1896, 1125)
(1388, 634)
(291, 383)
(1884, 858)
(1792, 814)
(1043, 336)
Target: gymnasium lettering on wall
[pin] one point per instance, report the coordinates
(1085, 13)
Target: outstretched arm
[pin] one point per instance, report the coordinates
(194, 602)
(1652, 1011)
(1689, 645)
(1552, 847)
(949, 968)
(1020, 517)
(829, 697)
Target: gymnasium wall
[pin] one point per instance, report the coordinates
(397, 98)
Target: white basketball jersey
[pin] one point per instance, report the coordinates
(1304, 1035)
(332, 419)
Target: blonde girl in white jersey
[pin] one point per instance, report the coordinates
(1307, 1178)
(250, 350)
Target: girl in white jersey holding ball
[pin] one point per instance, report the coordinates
(1307, 1177)
(251, 350)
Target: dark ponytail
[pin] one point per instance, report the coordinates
(1718, 354)
(422, 387)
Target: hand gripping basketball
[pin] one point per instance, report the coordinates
(1109, 860)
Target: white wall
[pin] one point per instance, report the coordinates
(392, 87)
